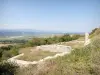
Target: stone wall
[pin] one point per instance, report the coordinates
(54, 48)
(87, 40)
(23, 63)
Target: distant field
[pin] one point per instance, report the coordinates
(16, 37)
(29, 37)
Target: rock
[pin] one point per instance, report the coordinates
(54, 48)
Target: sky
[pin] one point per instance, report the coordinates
(50, 15)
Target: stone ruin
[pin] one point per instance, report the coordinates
(87, 40)
(54, 48)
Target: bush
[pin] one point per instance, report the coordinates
(8, 51)
(7, 68)
(51, 40)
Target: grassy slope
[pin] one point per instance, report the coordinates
(81, 61)
(95, 32)
(73, 44)
(36, 55)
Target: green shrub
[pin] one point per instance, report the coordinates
(8, 51)
(51, 40)
(7, 68)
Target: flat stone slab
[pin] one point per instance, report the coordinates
(54, 48)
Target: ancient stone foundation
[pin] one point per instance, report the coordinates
(61, 49)
(54, 48)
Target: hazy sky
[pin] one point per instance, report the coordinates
(50, 15)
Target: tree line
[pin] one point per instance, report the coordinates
(51, 40)
(13, 41)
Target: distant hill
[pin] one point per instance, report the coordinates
(26, 32)
(23, 32)
(14, 33)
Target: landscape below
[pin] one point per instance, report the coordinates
(83, 60)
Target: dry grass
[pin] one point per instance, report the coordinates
(31, 54)
(26, 50)
(81, 38)
(73, 44)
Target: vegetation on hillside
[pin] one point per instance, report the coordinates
(17, 41)
(7, 68)
(8, 52)
(81, 61)
(95, 32)
(51, 40)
